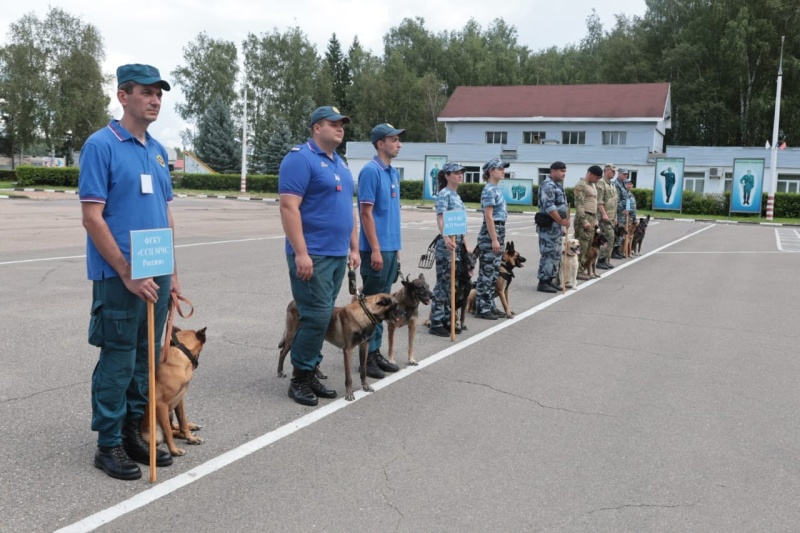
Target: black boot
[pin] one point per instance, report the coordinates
(382, 362)
(138, 449)
(545, 286)
(373, 370)
(320, 390)
(300, 388)
(116, 463)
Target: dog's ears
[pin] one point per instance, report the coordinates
(421, 276)
(175, 329)
(201, 335)
(510, 247)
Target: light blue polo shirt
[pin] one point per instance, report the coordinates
(111, 166)
(326, 187)
(379, 185)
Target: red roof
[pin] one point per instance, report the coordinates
(635, 100)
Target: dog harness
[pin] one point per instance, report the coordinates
(179, 345)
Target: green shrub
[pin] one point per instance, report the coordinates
(225, 182)
(8, 175)
(28, 176)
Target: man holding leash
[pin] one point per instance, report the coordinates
(622, 211)
(380, 236)
(124, 185)
(607, 207)
(316, 204)
(552, 202)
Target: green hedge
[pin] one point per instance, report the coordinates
(28, 176)
(225, 182)
(8, 175)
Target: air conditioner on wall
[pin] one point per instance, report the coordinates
(714, 173)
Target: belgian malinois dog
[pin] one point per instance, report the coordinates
(350, 326)
(174, 373)
(511, 260)
(410, 295)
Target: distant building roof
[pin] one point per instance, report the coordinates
(614, 101)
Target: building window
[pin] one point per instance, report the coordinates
(694, 181)
(728, 186)
(788, 183)
(496, 137)
(472, 174)
(573, 137)
(533, 137)
(615, 137)
(544, 173)
(633, 175)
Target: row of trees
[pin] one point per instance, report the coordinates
(721, 57)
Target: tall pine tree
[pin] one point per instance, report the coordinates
(216, 143)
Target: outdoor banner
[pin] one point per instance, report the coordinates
(433, 164)
(747, 185)
(517, 192)
(668, 184)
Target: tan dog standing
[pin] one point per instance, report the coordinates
(573, 253)
(173, 375)
(350, 326)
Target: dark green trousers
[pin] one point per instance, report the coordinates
(118, 326)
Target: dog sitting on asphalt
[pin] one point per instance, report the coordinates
(590, 261)
(511, 259)
(410, 295)
(638, 236)
(175, 371)
(573, 255)
(350, 326)
(465, 268)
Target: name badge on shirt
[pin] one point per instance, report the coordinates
(394, 193)
(147, 184)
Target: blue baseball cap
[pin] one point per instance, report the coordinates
(493, 164)
(141, 74)
(327, 112)
(383, 130)
(452, 166)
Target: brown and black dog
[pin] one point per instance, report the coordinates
(350, 326)
(638, 235)
(511, 260)
(465, 268)
(174, 373)
(590, 261)
(410, 295)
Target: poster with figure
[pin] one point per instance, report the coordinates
(668, 184)
(433, 164)
(747, 185)
(517, 192)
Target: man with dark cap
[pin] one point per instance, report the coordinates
(585, 193)
(316, 203)
(380, 237)
(124, 185)
(552, 203)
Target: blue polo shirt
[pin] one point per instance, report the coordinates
(112, 163)
(326, 188)
(379, 185)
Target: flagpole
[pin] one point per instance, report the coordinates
(773, 164)
(244, 142)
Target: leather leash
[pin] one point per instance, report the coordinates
(174, 303)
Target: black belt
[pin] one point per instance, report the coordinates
(497, 222)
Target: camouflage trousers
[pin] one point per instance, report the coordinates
(585, 236)
(607, 228)
(486, 286)
(440, 305)
(551, 249)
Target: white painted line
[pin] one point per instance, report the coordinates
(164, 488)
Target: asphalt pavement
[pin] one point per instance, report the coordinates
(660, 397)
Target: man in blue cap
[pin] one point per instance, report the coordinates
(124, 185)
(380, 238)
(316, 203)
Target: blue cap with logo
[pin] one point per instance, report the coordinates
(327, 112)
(452, 166)
(383, 130)
(493, 164)
(141, 74)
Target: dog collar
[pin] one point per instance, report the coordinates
(179, 345)
(363, 302)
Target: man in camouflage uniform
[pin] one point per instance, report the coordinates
(586, 213)
(553, 202)
(607, 207)
(622, 211)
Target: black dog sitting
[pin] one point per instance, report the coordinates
(465, 268)
(638, 235)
